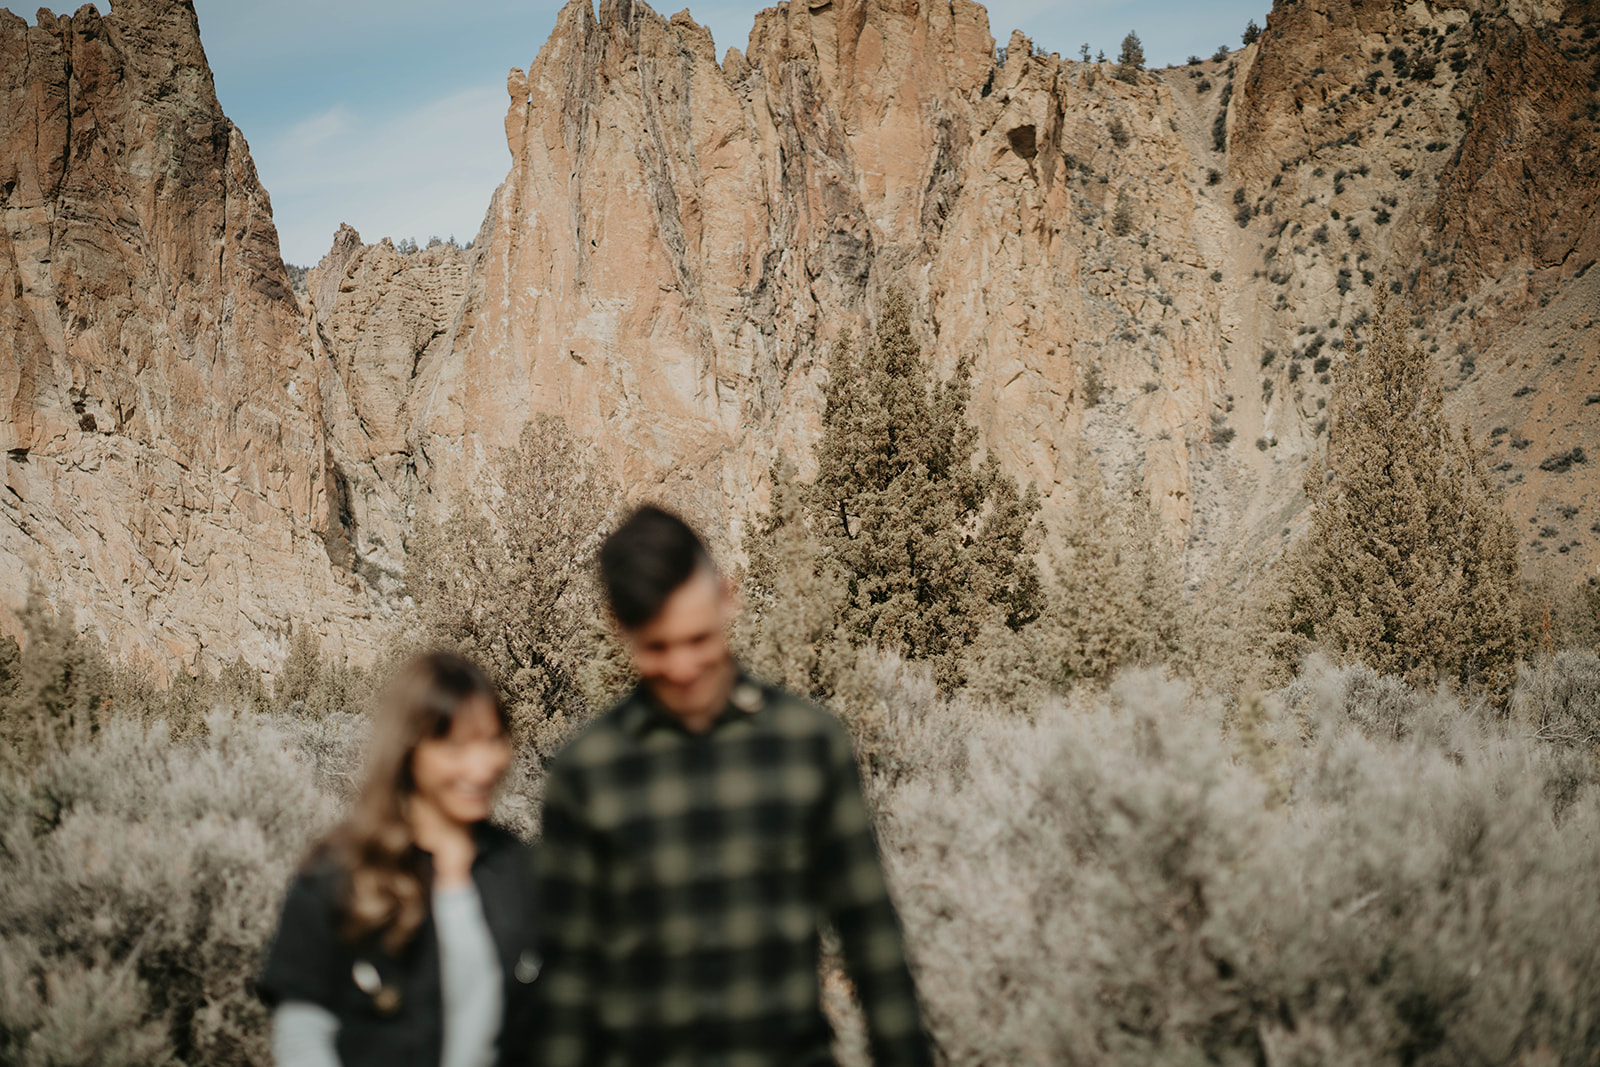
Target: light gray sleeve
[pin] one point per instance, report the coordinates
(303, 1035)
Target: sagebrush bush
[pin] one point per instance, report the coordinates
(141, 879)
(149, 874)
(1344, 870)
(1558, 698)
(1136, 878)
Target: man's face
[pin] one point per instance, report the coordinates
(682, 654)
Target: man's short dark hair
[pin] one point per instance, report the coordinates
(646, 560)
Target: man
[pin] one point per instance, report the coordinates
(693, 836)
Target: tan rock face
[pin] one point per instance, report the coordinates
(1154, 277)
(164, 464)
(679, 242)
(379, 320)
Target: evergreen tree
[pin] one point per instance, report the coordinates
(926, 542)
(1252, 32)
(1130, 61)
(793, 601)
(1411, 563)
(1116, 599)
(510, 583)
(57, 685)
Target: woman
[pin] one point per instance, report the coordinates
(407, 938)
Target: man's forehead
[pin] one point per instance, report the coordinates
(694, 604)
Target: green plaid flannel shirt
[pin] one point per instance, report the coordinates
(682, 880)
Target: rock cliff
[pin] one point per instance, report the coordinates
(1161, 268)
(679, 242)
(165, 466)
(1152, 275)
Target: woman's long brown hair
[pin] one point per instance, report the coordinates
(383, 893)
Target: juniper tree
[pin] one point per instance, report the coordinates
(56, 687)
(926, 541)
(792, 600)
(1252, 33)
(1411, 563)
(508, 581)
(1130, 61)
(1115, 599)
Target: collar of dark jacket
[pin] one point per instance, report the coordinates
(640, 712)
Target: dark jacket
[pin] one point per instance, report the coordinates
(390, 1007)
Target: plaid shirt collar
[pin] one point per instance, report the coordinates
(640, 713)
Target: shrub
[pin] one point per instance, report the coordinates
(142, 879)
(1347, 869)
(1122, 218)
(149, 873)
(1119, 132)
(1562, 462)
(1092, 388)
(1558, 699)
(1344, 872)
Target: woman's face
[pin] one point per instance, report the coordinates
(457, 774)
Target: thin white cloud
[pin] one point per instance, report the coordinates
(427, 171)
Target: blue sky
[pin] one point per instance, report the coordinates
(387, 114)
